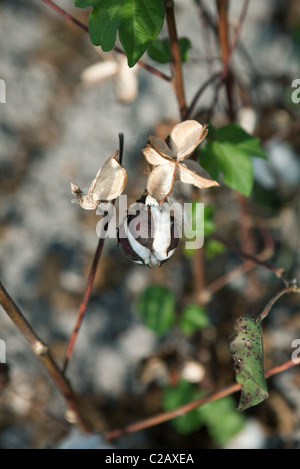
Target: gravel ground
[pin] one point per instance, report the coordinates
(54, 130)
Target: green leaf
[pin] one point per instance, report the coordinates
(230, 153)
(104, 22)
(220, 417)
(138, 22)
(141, 22)
(246, 348)
(222, 420)
(160, 50)
(156, 306)
(213, 248)
(176, 397)
(200, 229)
(235, 134)
(227, 158)
(193, 318)
(184, 45)
(85, 3)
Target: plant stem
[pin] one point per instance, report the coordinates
(229, 54)
(223, 34)
(199, 275)
(82, 26)
(84, 303)
(199, 93)
(43, 353)
(177, 80)
(278, 271)
(166, 416)
(265, 312)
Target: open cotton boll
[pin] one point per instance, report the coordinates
(126, 83)
(147, 233)
(99, 72)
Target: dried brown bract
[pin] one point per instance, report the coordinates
(168, 160)
(108, 184)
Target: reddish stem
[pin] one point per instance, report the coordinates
(84, 303)
(166, 416)
(176, 58)
(223, 33)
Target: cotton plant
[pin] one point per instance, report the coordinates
(149, 234)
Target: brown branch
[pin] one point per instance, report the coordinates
(78, 23)
(278, 271)
(223, 34)
(63, 423)
(222, 7)
(177, 80)
(220, 77)
(166, 416)
(199, 93)
(227, 78)
(247, 266)
(229, 54)
(290, 289)
(225, 279)
(84, 303)
(43, 353)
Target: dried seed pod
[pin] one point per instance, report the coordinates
(108, 184)
(148, 234)
(169, 160)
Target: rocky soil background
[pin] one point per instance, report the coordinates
(55, 130)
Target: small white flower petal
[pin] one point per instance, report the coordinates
(110, 181)
(161, 180)
(126, 83)
(185, 137)
(191, 172)
(99, 72)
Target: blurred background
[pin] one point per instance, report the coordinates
(57, 127)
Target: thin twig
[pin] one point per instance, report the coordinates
(78, 23)
(199, 93)
(226, 55)
(229, 54)
(166, 416)
(225, 279)
(284, 291)
(247, 266)
(278, 271)
(84, 303)
(64, 424)
(43, 353)
(223, 34)
(177, 80)
(121, 147)
(219, 77)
